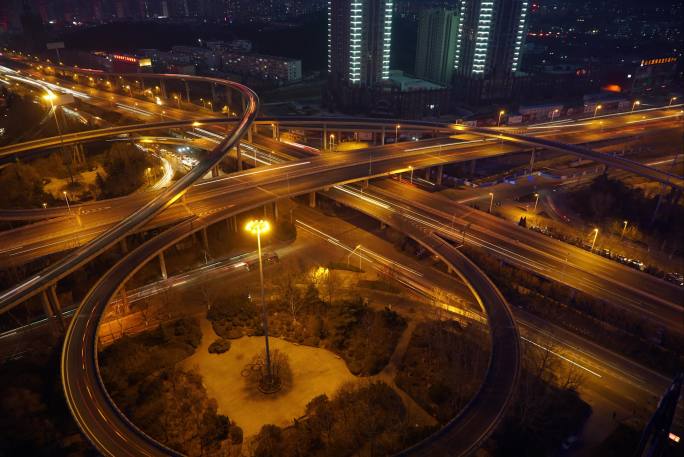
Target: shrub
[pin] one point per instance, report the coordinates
(219, 346)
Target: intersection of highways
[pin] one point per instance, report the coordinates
(192, 203)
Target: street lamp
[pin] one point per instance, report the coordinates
(636, 103)
(396, 133)
(175, 97)
(66, 199)
(593, 243)
(624, 227)
(553, 113)
(671, 100)
(491, 201)
(204, 105)
(51, 97)
(598, 107)
(44, 205)
(536, 201)
(158, 101)
(332, 141)
(411, 168)
(257, 227)
(501, 113)
(130, 92)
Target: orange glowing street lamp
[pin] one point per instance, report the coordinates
(635, 104)
(501, 113)
(593, 243)
(598, 107)
(257, 227)
(671, 100)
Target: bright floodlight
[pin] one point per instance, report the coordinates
(49, 97)
(258, 226)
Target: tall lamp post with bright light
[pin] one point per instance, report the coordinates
(396, 133)
(598, 107)
(624, 228)
(671, 100)
(66, 199)
(501, 113)
(257, 227)
(593, 243)
(635, 104)
(536, 201)
(411, 168)
(332, 141)
(553, 114)
(491, 201)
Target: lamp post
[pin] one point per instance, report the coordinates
(501, 113)
(332, 141)
(352, 253)
(536, 201)
(257, 227)
(411, 168)
(44, 205)
(553, 113)
(624, 228)
(396, 133)
(671, 100)
(491, 201)
(51, 97)
(598, 107)
(593, 243)
(635, 104)
(175, 97)
(66, 199)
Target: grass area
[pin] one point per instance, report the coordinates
(443, 366)
(360, 419)
(364, 337)
(169, 404)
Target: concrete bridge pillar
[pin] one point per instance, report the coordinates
(275, 210)
(213, 94)
(162, 88)
(440, 172)
(238, 151)
(427, 173)
(382, 136)
(473, 164)
(162, 265)
(124, 245)
(312, 199)
(215, 172)
(205, 239)
(56, 306)
(47, 309)
(532, 160)
(325, 137)
(187, 91)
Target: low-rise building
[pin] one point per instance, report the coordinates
(281, 69)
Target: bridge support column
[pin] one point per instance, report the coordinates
(325, 137)
(249, 133)
(238, 152)
(56, 306)
(187, 91)
(205, 239)
(427, 173)
(473, 163)
(532, 160)
(215, 172)
(382, 136)
(229, 98)
(162, 88)
(312, 199)
(440, 172)
(213, 94)
(275, 210)
(124, 246)
(660, 200)
(47, 309)
(162, 265)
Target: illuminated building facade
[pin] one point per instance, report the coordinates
(359, 40)
(489, 42)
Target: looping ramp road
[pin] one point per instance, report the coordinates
(114, 435)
